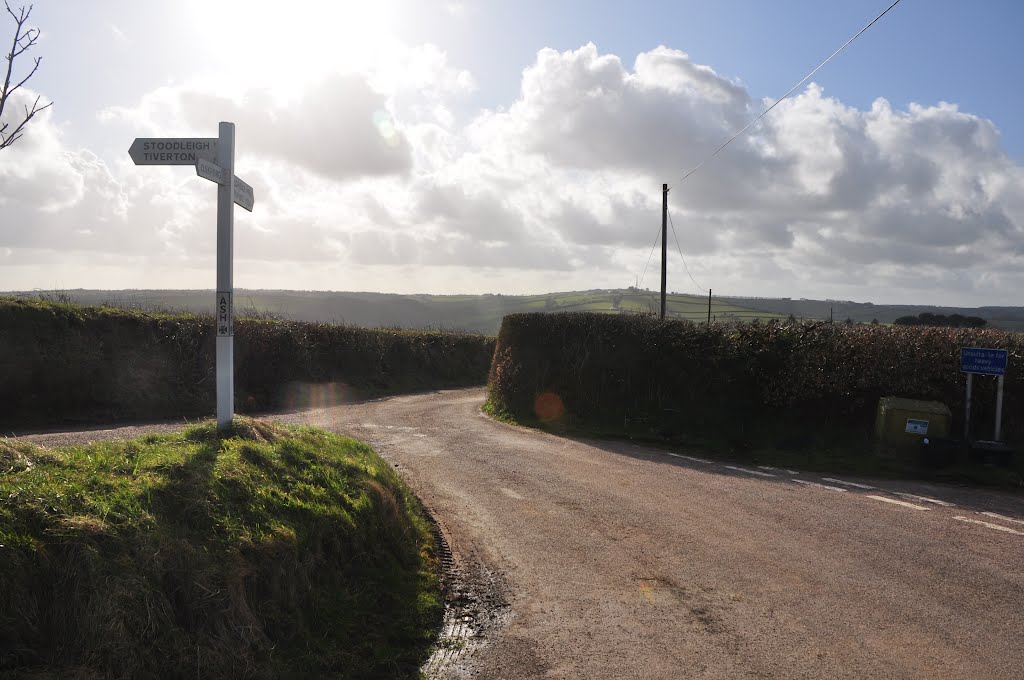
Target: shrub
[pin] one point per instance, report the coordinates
(62, 361)
(634, 372)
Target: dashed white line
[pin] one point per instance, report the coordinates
(748, 471)
(996, 515)
(923, 499)
(820, 486)
(853, 484)
(693, 458)
(896, 502)
(990, 525)
(775, 469)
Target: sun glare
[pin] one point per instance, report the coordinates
(285, 44)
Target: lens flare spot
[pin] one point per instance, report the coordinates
(548, 406)
(386, 128)
(301, 396)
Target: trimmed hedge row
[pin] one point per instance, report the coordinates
(60, 362)
(638, 372)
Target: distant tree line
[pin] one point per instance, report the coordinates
(952, 321)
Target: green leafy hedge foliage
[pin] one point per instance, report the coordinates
(61, 361)
(640, 373)
(953, 320)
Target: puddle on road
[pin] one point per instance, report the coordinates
(474, 610)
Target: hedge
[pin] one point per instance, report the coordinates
(631, 372)
(61, 362)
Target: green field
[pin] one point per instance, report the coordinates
(479, 313)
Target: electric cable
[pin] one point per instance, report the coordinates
(656, 239)
(687, 268)
(776, 103)
(791, 90)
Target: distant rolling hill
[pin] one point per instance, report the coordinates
(483, 313)
(479, 313)
(1006, 318)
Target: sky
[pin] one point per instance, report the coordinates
(478, 146)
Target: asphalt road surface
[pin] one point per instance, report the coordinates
(620, 561)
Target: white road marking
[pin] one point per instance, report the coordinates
(775, 469)
(749, 471)
(896, 502)
(845, 483)
(924, 499)
(1003, 517)
(820, 486)
(990, 525)
(693, 458)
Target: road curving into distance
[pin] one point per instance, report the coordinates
(619, 561)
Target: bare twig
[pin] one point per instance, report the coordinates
(24, 39)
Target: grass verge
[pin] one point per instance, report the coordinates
(270, 553)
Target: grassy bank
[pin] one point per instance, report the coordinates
(272, 553)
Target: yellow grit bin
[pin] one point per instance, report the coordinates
(903, 423)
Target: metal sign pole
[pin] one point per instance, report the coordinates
(999, 409)
(225, 284)
(967, 410)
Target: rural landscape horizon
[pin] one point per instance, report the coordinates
(483, 313)
(438, 339)
(415, 150)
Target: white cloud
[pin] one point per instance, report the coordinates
(818, 187)
(339, 127)
(383, 172)
(117, 32)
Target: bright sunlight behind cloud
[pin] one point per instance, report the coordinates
(367, 178)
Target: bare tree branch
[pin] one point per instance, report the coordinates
(29, 113)
(24, 40)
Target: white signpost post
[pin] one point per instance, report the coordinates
(214, 159)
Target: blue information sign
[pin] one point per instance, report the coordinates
(983, 361)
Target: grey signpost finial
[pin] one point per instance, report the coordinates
(214, 159)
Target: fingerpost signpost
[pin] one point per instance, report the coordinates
(214, 159)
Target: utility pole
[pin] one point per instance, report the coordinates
(664, 244)
(709, 306)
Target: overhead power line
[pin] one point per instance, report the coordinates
(687, 268)
(765, 112)
(641, 282)
(789, 92)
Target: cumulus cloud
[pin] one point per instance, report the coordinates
(339, 127)
(818, 185)
(391, 170)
